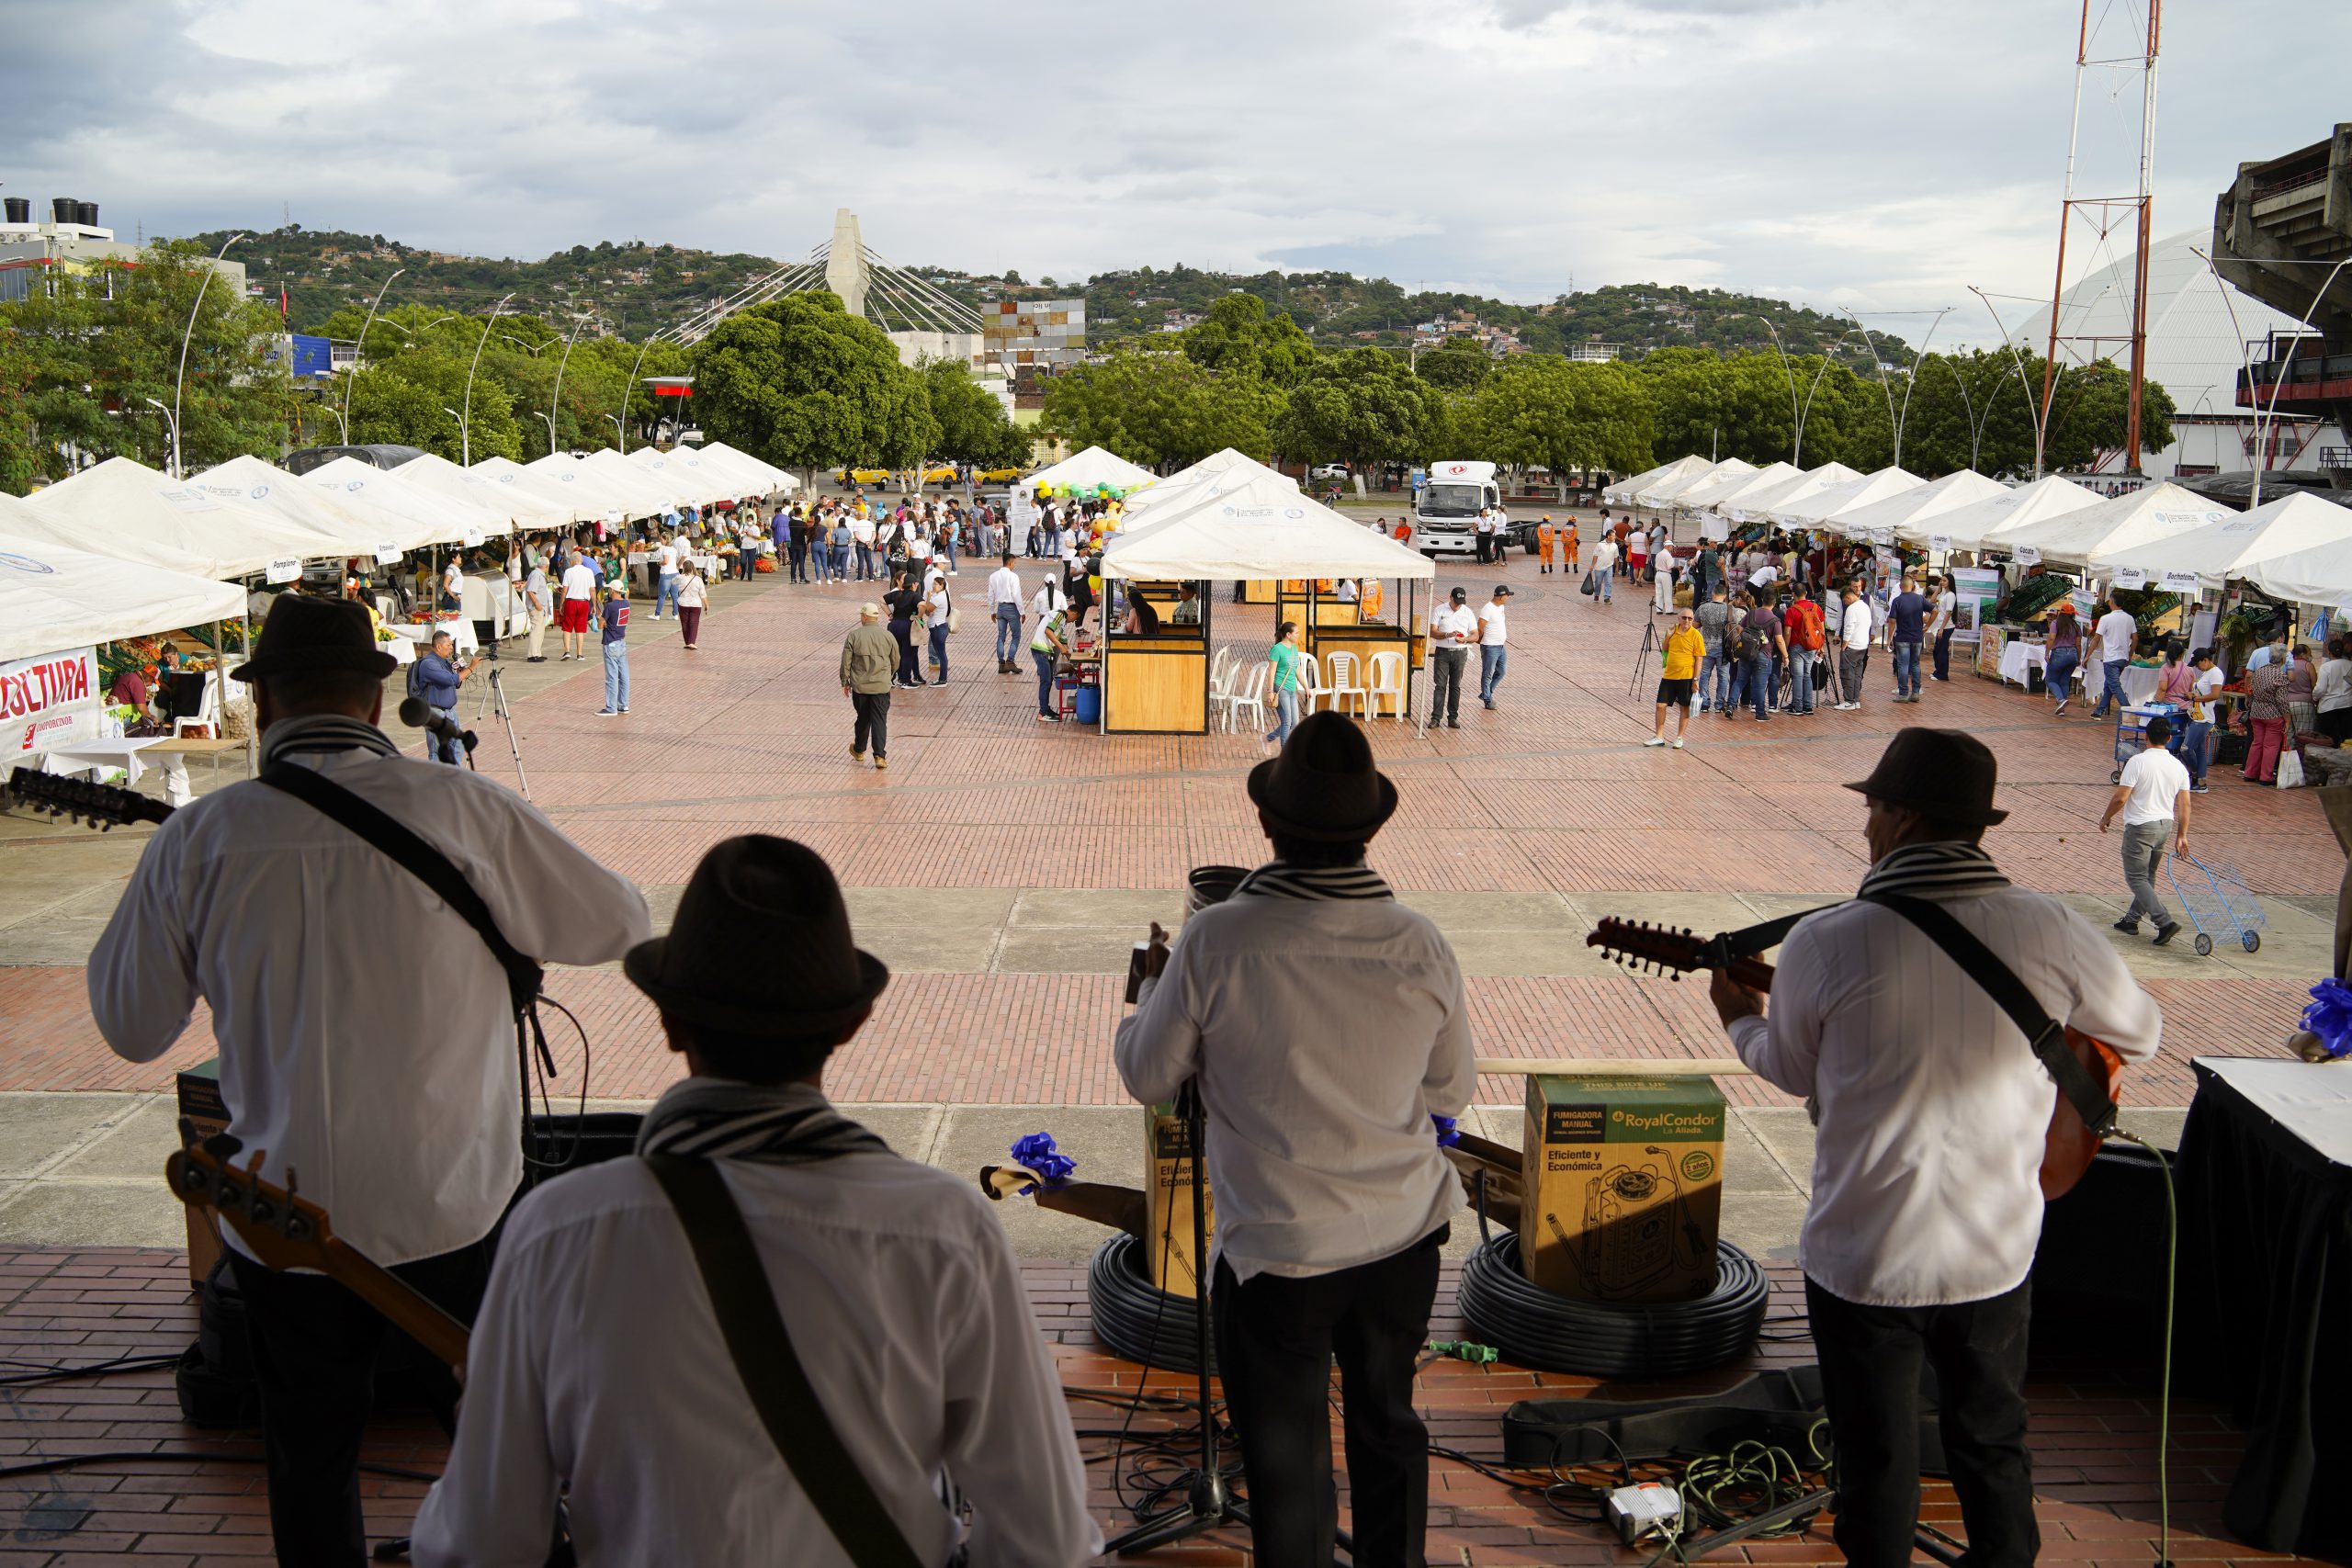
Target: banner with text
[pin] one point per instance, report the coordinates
(50, 701)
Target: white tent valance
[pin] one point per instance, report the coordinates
(2318, 573)
(764, 478)
(2071, 538)
(2296, 525)
(1809, 510)
(701, 483)
(625, 494)
(1754, 503)
(1723, 487)
(1260, 528)
(250, 481)
(53, 599)
(1980, 523)
(129, 510)
(410, 515)
(1670, 491)
(519, 502)
(1084, 470)
(580, 503)
(1623, 492)
(1882, 521)
(1211, 476)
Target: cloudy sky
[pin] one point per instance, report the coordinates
(1877, 153)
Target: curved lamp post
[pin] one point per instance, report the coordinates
(360, 355)
(550, 422)
(1796, 420)
(631, 386)
(556, 395)
(2040, 416)
(174, 425)
(2269, 418)
(181, 379)
(465, 435)
(1910, 375)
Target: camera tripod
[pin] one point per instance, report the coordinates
(493, 697)
(1642, 658)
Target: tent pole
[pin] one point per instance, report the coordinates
(253, 730)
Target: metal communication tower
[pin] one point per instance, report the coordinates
(2105, 214)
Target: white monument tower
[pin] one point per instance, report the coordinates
(845, 269)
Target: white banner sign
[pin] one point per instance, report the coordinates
(1939, 543)
(2181, 583)
(285, 568)
(473, 537)
(388, 554)
(2026, 555)
(2131, 577)
(50, 700)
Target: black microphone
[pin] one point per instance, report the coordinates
(416, 715)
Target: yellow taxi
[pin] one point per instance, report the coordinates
(997, 475)
(861, 475)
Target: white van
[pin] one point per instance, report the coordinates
(1445, 512)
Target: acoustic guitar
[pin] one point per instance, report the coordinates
(101, 805)
(286, 1230)
(2068, 1145)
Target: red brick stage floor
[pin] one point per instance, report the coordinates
(2094, 1443)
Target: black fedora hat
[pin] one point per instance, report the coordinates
(306, 634)
(774, 897)
(1940, 772)
(1322, 784)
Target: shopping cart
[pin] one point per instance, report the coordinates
(2129, 724)
(2217, 898)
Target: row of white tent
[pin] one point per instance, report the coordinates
(122, 550)
(2298, 547)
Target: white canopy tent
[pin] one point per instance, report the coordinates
(703, 483)
(129, 510)
(2318, 573)
(427, 517)
(1260, 528)
(522, 504)
(1666, 492)
(1976, 525)
(1809, 511)
(764, 476)
(1084, 470)
(1881, 522)
(53, 599)
(1720, 488)
(2294, 524)
(618, 497)
(1211, 476)
(2071, 538)
(670, 485)
(1623, 492)
(251, 481)
(1754, 503)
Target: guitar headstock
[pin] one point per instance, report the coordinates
(101, 805)
(284, 1230)
(1669, 950)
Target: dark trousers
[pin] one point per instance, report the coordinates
(1446, 665)
(910, 673)
(1275, 1340)
(1944, 654)
(440, 749)
(1869, 1381)
(690, 623)
(874, 719)
(315, 1346)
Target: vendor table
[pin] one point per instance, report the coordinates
(91, 756)
(2265, 1276)
(461, 632)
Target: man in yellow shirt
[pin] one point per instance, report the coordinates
(1685, 646)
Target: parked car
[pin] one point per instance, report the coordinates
(848, 477)
(1329, 471)
(997, 475)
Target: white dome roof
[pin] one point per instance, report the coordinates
(2193, 346)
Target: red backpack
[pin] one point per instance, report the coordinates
(1805, 625)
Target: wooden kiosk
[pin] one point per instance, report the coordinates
(1258, 528)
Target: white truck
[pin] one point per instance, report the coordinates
(1445, 509)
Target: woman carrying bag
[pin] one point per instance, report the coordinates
(691, 596)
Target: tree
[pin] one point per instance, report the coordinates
(972, 424)
(1539, 410)
(1360, 406)
(1460, 364)
(1239, 338)
(2089, 410)
(1160, 408)
(1723, 408)
(800, 383)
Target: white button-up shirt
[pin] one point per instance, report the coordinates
(1325, 1033)
(597, 1365)
(1004, 587)
(1452, 619)
(1926, 1165)
(365, 1034)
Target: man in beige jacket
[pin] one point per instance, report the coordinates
(868, 656)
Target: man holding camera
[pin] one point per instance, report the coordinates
(436, 677)
(1323, 1024)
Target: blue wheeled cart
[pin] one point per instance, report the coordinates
(2217, 899)
(2129, 724)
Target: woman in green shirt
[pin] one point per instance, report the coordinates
(1285, 660)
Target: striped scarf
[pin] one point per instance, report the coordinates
(323, 732)
(1279, 879)
(778, 1124)
(1945, 870)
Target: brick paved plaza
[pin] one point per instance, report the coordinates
(1002, 868)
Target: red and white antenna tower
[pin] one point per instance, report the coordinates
(2104, 215)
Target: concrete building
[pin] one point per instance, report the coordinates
(69, 239)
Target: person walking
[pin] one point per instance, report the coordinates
(2061, 653)
(1906, 631)
(1494, 653)
(579, 604)
(1678, 668)
(693, 595)
(2153, 795)
(2266, 719)
(539, 607)
(1604, 568)
(613, 622)
(1005, 608)
(1452, 631)
(937, 606)
(1854, 632)
(2115, 634)
(666, 554)
(1284, 656)
(869, 657)
(1714, 667)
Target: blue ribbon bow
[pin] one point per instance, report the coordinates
(2330, 1015)
(1036, 1151)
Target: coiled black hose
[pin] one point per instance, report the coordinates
(1532, 1327)
(1134, 1318)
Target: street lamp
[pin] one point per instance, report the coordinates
(1910, 375)
(173, 425)
(360, 354)
(558, 393)
(2279, 383)
(464, 438)
(181, 379)
(619, 430)
(551, 424)
(1794, 418)
(629, 386)
(453, 413)
(2041, 418)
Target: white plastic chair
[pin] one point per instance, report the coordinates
(1387, 670)
(207, 716)
(1342, 669)
(1221, 675)
(1311, 683)
(1250, 693)
(1221, 668)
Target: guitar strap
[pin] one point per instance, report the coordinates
(764, 1359)
(2044, 1033)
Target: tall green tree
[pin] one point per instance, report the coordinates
(1542, 410)
(1160, 409)
(800, 383)
(1362, 406)
(1459, 364)
(1240, 338)
(972, 424)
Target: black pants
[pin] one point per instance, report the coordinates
(1870, 1380)
(1486, 548)
(873, 717)
(1446, 665)
(1944, 654)
(1275, 1340)
(315, 1346)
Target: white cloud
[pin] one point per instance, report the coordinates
(1882, 153)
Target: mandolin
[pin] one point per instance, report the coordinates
(2068, 1145)
(101, 805)
(287, 1231)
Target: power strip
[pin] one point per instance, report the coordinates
(1647, 1509)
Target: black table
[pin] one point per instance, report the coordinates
(2266, 1175)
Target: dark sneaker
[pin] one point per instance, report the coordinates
(2164, 933)
(2128, 926)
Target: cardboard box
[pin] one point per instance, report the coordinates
(199, 1098)
(1623, 1180)
(1168, 1233)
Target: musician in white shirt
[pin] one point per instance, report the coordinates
(1932, 1113)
